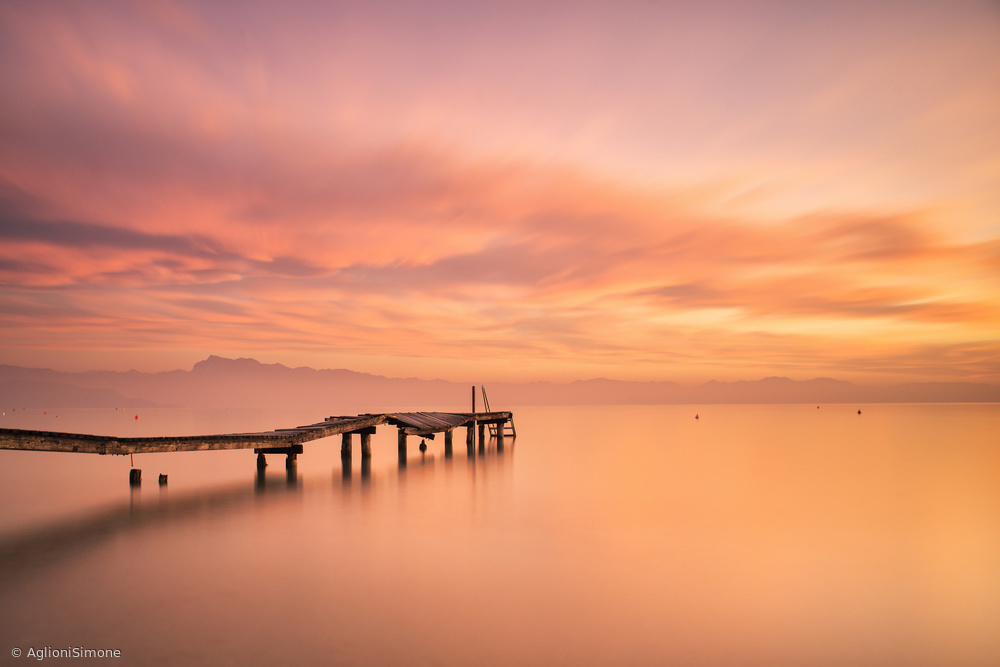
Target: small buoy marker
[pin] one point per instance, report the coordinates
(696, 417)
(859, 412)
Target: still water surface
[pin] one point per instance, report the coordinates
(755, 535)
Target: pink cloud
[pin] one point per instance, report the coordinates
(617, 192)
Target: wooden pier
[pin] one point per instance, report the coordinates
(282, 441)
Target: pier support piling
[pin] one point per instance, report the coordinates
(366, 443)
(345, 444)
(448, 449)
(134, 477)
(482, 437)
(261, 461)
(290, 461)
(401, 437)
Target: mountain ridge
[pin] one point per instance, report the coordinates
(220, 382)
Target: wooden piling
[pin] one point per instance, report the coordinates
(448, 451)
(401, 439)
(366, 443)
(261, 461)
(290, 461)
(134, 477)
(345, 444)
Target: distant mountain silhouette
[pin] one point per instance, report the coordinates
(218, 382)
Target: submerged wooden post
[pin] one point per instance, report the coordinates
(366, 443)
(401, 438)
(345, 444)
(482, 437)
(163, 479)
(134, 477)
(261, 461)
(290, 462)
(447, 444)
(500, 428)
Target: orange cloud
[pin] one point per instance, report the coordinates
(166, 184)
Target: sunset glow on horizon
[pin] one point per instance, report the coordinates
(504, 191)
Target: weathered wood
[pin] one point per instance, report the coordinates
(422, 424)
(366, 443)
(134, 477)
(448, 443)
(293, 449)
(345, 444)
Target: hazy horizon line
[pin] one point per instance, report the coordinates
(679, 383)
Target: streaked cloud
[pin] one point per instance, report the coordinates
(642, 191)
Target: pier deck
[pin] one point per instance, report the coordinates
(288, 440)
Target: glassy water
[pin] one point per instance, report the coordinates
(754, 535)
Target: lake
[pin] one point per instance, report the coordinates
(639, 535)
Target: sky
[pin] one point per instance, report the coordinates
(478, 191)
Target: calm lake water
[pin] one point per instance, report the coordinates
(755, 535)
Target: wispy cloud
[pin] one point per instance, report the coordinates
(617, 196)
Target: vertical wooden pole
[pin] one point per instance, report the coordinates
(345, 444)
(473, 399)
(401, 438)
(500, 427)
(482, 437)
(447, 444)
(366, 444)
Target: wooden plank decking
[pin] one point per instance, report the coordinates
(409, 423)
